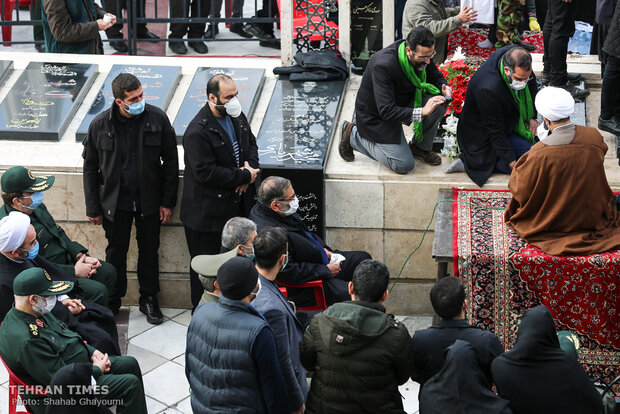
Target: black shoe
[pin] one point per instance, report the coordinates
(572, 78)
(119, 45)
(40, 47)
(527, 46)
(114, 305)
(272, 43)
(212, 30)
(147, 35)
(150, 308)
(255, 31)
(345, 149)
(198, 46)
(610, 125)
(237, 28)
(428, 157)
(178, 47)
(577, 93)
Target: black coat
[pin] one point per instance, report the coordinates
(211, 172)
(612, 41)
(489, 116)
(158, 163)
(385, 97)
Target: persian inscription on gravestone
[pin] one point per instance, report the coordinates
(249, 83)
(158, 85)
(366, 30)
(299, 124)
(6, 67)
(43, 100)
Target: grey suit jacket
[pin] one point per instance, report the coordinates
(288, 332)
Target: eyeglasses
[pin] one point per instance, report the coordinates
(288, 200)
(428, 57)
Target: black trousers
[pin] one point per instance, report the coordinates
(200, 242)
(558, 28)
(187, 8)
(610, 100)
(116, 8)
(270, 9)
(118, 233)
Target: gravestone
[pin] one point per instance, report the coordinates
(249, 83)
(43, 101)
(159, 84)
(366, 30)
(6, 67)
(294, 139)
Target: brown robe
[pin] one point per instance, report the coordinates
(561, 201)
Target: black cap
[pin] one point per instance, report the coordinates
(237, 278)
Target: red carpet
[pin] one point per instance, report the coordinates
(503, 277)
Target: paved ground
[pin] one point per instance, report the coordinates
(160, 351)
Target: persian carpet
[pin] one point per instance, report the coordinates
(504, 276)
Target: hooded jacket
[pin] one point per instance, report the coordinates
(359, 356)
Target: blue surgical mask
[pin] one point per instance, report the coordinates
(250, 256)
(135, 109)
(32, 253)
(285, 262)
(37, 200)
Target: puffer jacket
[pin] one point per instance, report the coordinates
(359, 356)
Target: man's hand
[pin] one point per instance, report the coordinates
(83, 269)
(241, 189)
(96, 220)
(467, 14)
(253, 171)
(512, 165)
(301, 410)
(446, 90)
(165, 214)
(101, 360)
(334, 268)
(75, 306)
(432, 104)
(533, 126)
(93, 262)
(329, 254)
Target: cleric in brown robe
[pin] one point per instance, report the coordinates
(561, 201)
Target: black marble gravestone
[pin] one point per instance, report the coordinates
(6, 67)
(294, 139)
(249, 83)
(366, 30)
(43, 100)
(158, 85)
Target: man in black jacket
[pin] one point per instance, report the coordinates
(498, 123)
(448, 300)
(400, 85)
(309, 257)
(131, 171)
(221, 164)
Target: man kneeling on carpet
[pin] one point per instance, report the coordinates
(561, 201)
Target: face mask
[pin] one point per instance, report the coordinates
(542, 132)
(135, 109)
(285, 262)
(233, 107)
(32, 253)
(45, 304)
(37, 200)
(292, 206)
(250, 256)
(254, 295)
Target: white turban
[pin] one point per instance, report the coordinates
(554, 103)
(13, 229)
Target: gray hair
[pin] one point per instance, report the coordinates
(208, 282)
(237, 231)
(273, 189)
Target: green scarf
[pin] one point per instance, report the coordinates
(419, 83)
(523, 98)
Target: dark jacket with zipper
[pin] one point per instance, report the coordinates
(212, 174)
(71, 26)
(157, 158)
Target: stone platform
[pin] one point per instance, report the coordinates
(367, 206)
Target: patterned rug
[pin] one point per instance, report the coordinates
(504, 276)
(468, 40)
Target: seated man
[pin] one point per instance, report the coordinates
(231, 359)
(18, 252)
(561, 201)
(22, 191)
(358, 353)
(271, 256)
(239, 232)
(206, 266)
(35, 345)
(429, 345)
(400, 85)
(498, 122)
(309, 257)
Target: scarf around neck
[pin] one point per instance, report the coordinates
(523, 98)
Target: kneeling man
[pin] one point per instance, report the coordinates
(561, 201)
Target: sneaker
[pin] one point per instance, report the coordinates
(198, 46)
(237, 28)
(428, 157)
(610, 125)
(178, 47)
(345, 149)
(150, 308)
(577, 93)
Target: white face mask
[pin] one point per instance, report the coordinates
(293, 205)
(518, 85)
(233, 107)
(542, 132)
(45, 304)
